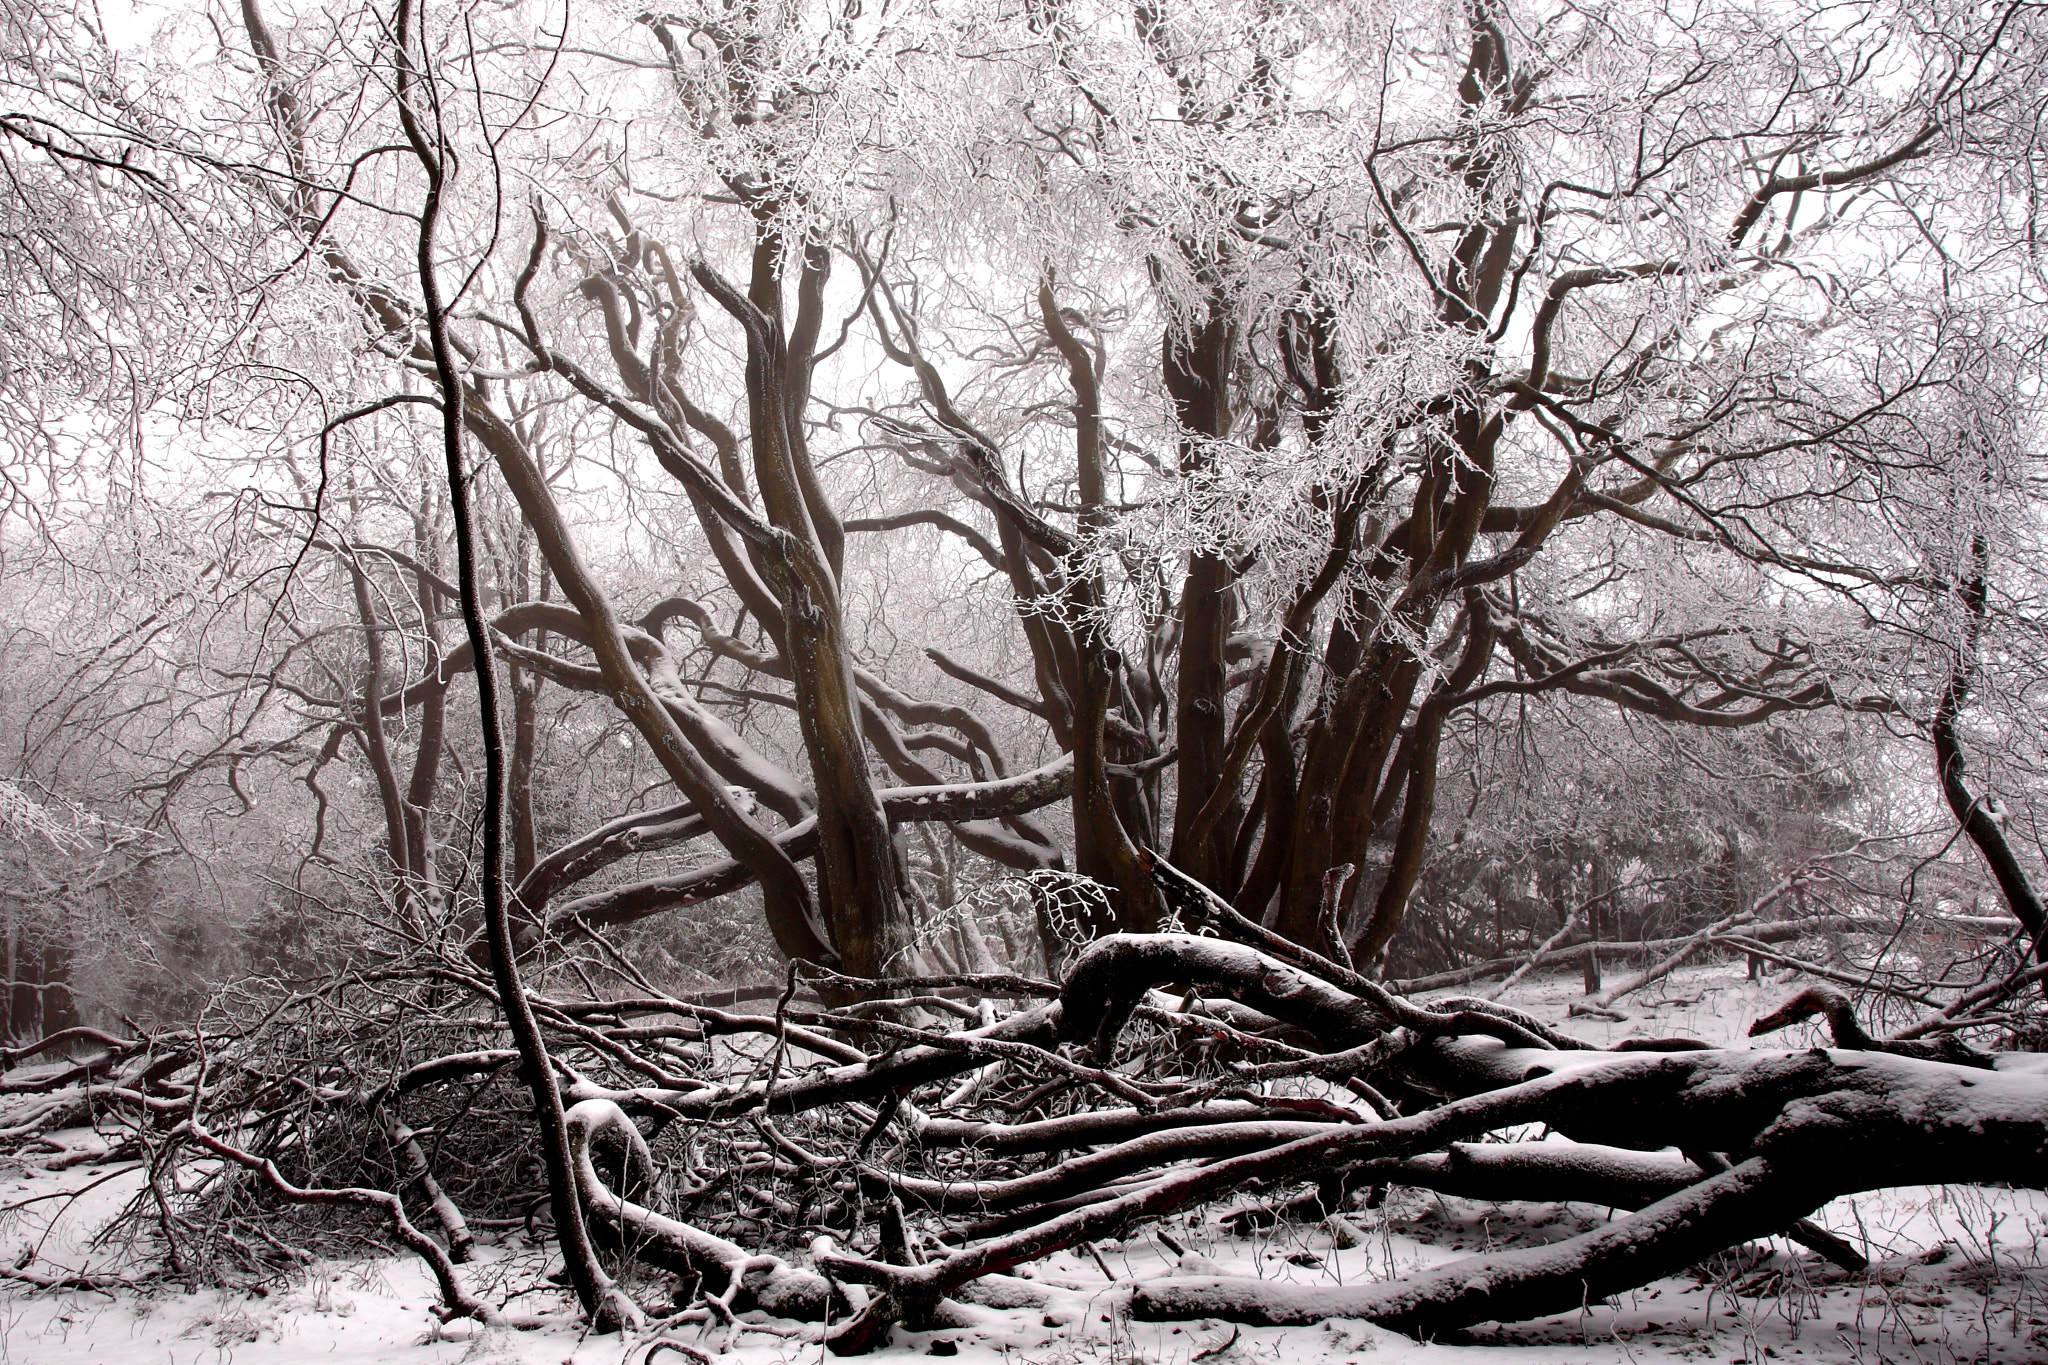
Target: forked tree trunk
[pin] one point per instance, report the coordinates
(859, 869)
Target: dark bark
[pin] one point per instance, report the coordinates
(370, 735)
(1746, 1202)
(859, 874)
(602, 1300)
(1420, 807)
(1974, 813)
(1804, 1127)
(421, 853)
(1103, 848)
(1196, 367)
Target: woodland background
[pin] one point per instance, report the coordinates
(1774, 277)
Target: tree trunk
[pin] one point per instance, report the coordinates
(608, 1308)
(1196, 367)
(859, 872)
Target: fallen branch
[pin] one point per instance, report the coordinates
(456, 1298)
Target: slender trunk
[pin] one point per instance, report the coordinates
(525, 732)
(375, 747)
(59, 1005)
(1410, 843)
(1340, 774)
(420, 852)
(1977, 815)
(1413, 839)
(594, 1289)
(1590, 971)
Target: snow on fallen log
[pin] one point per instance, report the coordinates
(1807, 1127)
(1745, 1202)
(1542, 1172)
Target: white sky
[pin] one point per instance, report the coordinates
(128, 24)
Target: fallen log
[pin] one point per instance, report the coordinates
(1542, 1172)
(1806, 1128)
(1745, 1202)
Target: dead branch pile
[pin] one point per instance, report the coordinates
(860, 1153)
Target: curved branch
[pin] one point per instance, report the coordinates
(896, 521)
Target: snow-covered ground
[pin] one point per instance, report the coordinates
(1957, 1275)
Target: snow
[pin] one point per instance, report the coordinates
(1958, 1274)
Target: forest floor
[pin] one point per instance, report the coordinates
(1957, 1275)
